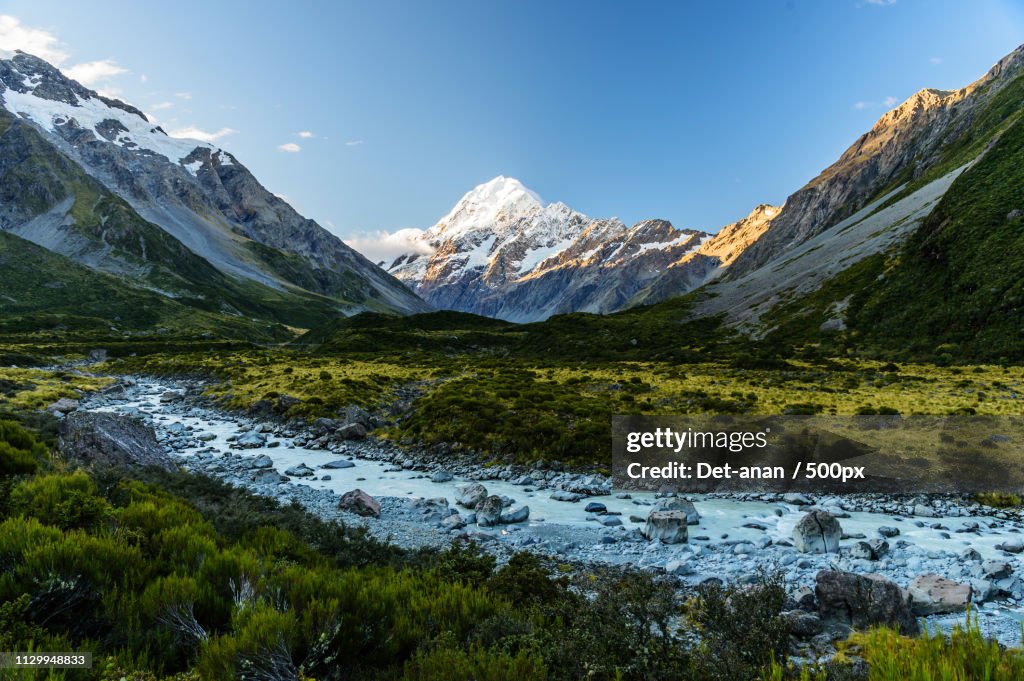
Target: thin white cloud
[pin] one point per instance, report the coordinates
(194, 133)
(353, 143)
(935, 60)
(16, 36)
(143, 78)
(305, 134)
(93, 72)
(887, 103)
(183, 95)
(881, 3)
(383, 246)
(290, 147)
(160, 106)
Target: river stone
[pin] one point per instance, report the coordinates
(850, 600)
(888, 532)
(667, 526)
(268, 477)
(453, 522)
(442, 476)
(262, 461)
(994, 569)
(488, 511)
(251, 440)
(1011, 546)
(563, 495)
(595, 507)
(678, 504)
(796, 499)
(516, 514)
(924, 511)
(340, 463)
(109, 439)
(935, 595)
(359, 502)
(817, 532)
(869, 550)
(300, 471)
(469, 495)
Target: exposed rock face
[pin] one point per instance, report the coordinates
(850, 600)
(359, 502)
(667, 526)
(107, 439)
(502, 252)
(817, 532)
(903, 143)
(180, 196)
(934, 594)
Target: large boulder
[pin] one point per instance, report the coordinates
(351, 431)
(109, 439)
(849, 600)
(678, 504)
(516, 514)
(934, 595)
(359, 502)
(469, 495)
(817, 532)
(667, 526)
(63, 406)
(488, 511)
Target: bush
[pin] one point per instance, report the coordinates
(478, 664)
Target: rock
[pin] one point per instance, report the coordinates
(469, 495)
(817, 532)
(300, 471)
(935, 595)
(359, 502)
(995, 569)
(803, 624)
(262, 461)
(610, 521)
(678, 504)
(338, 464)
(595, 507)
(971, 555)
(261, 408)
(453, 522)
(488, 511)
(268, 477)
(564, 495)
(351, 431)
(442, 476)
(667, 526)
(109, 439)
(851, 600)
(1011, 546)
(869, 550)
(286, 402)
(323, 426)
(251, 440)
(796, 499)
(171, 396)
(888, 532)
(516, 514)
(325, 477)
(97, 355)
(923, 511)
(207, 437)
(679, 567)
(63, 406)
(354, 414)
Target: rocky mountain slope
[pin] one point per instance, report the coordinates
(91, 179)
(502, 252)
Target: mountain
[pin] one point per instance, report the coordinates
(503, 252)
(91, 179)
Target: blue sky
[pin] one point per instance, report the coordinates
(689, 111)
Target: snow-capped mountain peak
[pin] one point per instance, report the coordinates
(492, 204)
(34, 89)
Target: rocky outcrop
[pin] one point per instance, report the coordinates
(847, 600)
(359, 502)
(108, 439)
(678, 504)
(817, 532)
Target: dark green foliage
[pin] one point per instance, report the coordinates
(19, 451)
